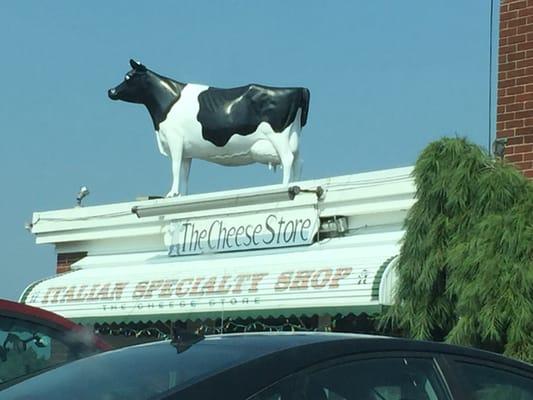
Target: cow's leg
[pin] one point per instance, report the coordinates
(184, 175)
(294, 144)
(286, 162)
(296, 170)
(176, 155)
(280, 141)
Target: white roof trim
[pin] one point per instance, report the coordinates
(99, 229)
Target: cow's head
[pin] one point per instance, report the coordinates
(135, 85)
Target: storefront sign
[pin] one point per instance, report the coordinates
(269, 283)
(208, 292)
(237, 233)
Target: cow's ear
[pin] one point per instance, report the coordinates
(137, 65)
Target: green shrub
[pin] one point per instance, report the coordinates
(466, 263)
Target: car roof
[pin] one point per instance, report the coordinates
(263, 358)
(287, 353)
(336, 344)
(350, 343)
(43, 317)
(14, 309)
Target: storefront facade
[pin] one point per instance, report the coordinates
(252, 259)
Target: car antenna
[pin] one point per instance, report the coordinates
(183, 340)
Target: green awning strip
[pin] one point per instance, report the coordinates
(345, 310)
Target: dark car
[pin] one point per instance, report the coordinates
(295, 366)
(33, 339)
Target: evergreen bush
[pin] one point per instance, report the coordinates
(466, 264)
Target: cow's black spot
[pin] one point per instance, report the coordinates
(226, 112)
(162, 98)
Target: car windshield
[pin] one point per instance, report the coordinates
(135, 373)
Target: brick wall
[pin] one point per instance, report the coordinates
(515, 82)
(65, 260)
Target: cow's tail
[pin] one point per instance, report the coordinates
(305, 105)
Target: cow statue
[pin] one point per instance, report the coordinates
(236, 126)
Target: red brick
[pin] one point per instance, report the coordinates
(529, 54)
(500, 126)
(525, 80)
(508, 49)
(514, 158)
(523, 148)
(524, 131)
(60, 269)
(502, 58)
(505, 133)
(506, 117)
(528, 105)
(504, 7)
(515, 140)
(528, 157)
(517, 39)
(502, 42)
(505, 33)
(524, 97)
(524, 165)
(509, 150)
(517, 5)
(528, 138)
(524, 29)
(501, 109)
(514, 124)
(507, 99)
(506, 83)
(524, 46)
(529, 173)
(516, 90)
(528, 122)
(502, 75)
(509, 66)
(517, 72)
(520, 55)
(525, 63)
(505, 16)
(525, 12)
(517, 22)
(501, 92)
(512, 107)
(529, 88)
(524, 114)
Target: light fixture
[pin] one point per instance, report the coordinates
(296, 190)
(498, 147)
(333, 226)
(194, 203)
(84, 192)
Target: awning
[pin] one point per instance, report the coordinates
(341, 275)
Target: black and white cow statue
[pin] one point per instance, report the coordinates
(236, 126)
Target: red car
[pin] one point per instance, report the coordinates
(33, 339)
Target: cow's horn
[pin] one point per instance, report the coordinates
(135, 64)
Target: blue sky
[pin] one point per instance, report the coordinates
(386, 78)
